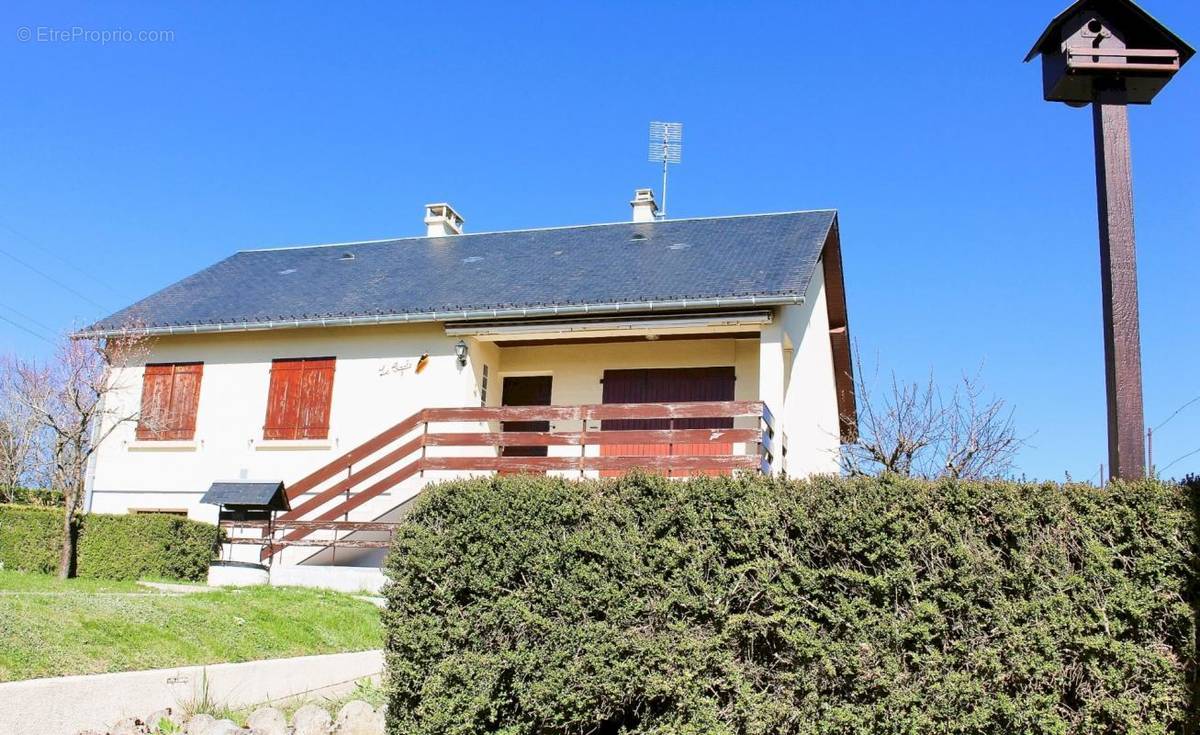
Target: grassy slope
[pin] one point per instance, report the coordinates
(54, 628)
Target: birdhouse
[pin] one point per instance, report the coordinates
(247, 501)
(1096, 46)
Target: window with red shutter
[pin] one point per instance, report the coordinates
(170, 397)
(299, 398)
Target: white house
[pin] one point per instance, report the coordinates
(356, 373)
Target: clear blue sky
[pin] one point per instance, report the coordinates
(967, 203)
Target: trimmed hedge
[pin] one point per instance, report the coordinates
(753, 605)
(30, 538)
(148, 545)
(109, 546)
(31, 496)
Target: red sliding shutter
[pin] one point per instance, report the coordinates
(667, 385)
(299, 398)
(170, 397)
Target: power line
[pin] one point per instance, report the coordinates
(1177, 412)
(51, 252)
(29, 319)
(25, 329)
(53, 280)
(1180, 459)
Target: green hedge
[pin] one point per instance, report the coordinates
(149, 545)
(31, 496)
(110, 546)
(30, 538)
(710, 606)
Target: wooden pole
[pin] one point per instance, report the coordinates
(1118, 277)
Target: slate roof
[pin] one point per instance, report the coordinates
(677, 264)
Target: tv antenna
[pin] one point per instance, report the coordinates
(666, 145)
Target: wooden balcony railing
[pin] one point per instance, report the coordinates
(682, 438)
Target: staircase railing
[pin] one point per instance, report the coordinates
(401, 451)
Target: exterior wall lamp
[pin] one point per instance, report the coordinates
(460, 351)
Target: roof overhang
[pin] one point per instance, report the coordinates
(525, 312)
(649, 325)
(1047, 41)
(839, 334)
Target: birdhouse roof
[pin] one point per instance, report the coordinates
(253, 495)
(1135, 22)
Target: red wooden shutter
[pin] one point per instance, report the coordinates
(703, 384)
(156, 399)
(170, 395)
(667, 385)
(283, 399)
(631, 386)
(185, 398)
(299, 398)
(316, 397)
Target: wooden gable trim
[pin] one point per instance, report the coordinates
(839, 333)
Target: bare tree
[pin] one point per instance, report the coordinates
(980, 436)
(913, 429)
(20, 437)
(67, 396)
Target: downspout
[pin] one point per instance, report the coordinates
(89, 474)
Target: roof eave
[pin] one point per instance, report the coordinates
(1185, 49)
(442, 316)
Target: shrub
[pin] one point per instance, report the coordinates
(755, 605)
(30, 538)
(140, 546)
(110, 546)
(31, 496)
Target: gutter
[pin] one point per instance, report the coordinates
(443, 316)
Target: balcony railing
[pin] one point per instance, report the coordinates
(704, 437)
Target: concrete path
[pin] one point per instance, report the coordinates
(175, 588)
(65, 705)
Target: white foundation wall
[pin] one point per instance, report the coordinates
(375, 385)
(810, 409)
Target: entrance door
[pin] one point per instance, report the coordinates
(667, 385)
(531, 390)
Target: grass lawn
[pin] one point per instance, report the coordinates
(50, 627)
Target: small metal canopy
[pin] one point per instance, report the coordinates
(247, 500)
(1101, 44)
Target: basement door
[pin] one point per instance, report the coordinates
(667, 385)
(531, 390)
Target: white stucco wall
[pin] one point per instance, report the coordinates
(375, 386)
(371, 391)
(369, 395)
(810, 410)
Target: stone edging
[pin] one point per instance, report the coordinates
(68, 704)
